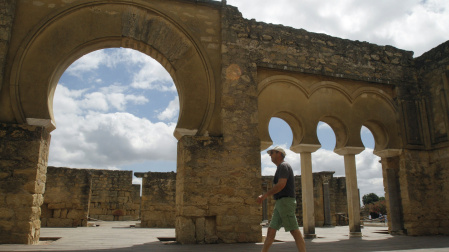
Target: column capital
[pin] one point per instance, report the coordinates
(388, 153)
(179, 133)
(349, 150)
(299, 148)
(48, 124)
(265, 144)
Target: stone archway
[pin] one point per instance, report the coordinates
(304, 100)
(62, 38)
(219, 61)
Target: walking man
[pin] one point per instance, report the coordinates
(283, 192)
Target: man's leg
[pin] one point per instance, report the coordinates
(271, 234)
(300, 244)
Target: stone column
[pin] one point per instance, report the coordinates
(305, 151)
(327, 203)
(23, 162)
(352, 188)
(390, 169)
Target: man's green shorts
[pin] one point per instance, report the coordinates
(284, 214)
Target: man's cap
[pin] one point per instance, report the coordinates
(277, 148)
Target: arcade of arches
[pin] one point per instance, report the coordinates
(232, 76)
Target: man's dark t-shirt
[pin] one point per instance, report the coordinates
(284, 170)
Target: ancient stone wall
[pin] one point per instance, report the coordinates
(337, 199)
(423, 169)
(215, 59)
(158, 199)
(66, 198)
(238, 164)
(421, 172)
(340, 204)
(23, 161)
(74, 195)
(433, 100)
(286, 48)
(112, 196)
(215, 198)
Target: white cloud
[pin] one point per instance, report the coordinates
(95, 101)
(407, 24)
(87, 137)
(146, 72)
(87, 63)
(171, 112)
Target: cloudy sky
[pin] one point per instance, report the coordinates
(117, 108)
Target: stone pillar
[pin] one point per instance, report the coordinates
(352, 189)
(327, 203)
(390, 170)
(305, 151)
(23, 161)
(216, 191)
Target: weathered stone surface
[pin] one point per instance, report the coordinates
(20, 205)
(423, 212)
(233, 75)
(73, 195)
(113, 196)
(158, 199)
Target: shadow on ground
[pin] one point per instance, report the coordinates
(392, 243)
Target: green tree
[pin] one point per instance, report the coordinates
(369, 198)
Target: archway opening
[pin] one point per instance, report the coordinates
(325, 159)
(281, 134)
(116, 110)
(370, 178)
(330, 177)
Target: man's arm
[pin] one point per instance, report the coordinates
(276, 188)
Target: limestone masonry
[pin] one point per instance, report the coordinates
(232, 75)
(74, 195)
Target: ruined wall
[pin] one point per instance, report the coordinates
(433, 99)
(215, 194)
(74, 195)
(337, 193)
(66, 198)
(112, 196)
(286, 48)
(238, 166)
(422, 172)
(340, 204)
(158, 199)
(23, 161)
